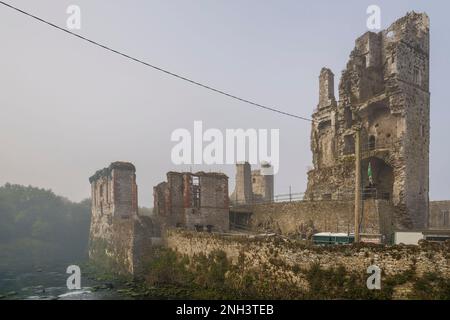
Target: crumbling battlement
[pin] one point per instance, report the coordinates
(384, 92)
(193, 200)
(114, 191)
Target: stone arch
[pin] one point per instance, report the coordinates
(383, 178)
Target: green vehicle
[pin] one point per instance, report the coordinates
(329, 238)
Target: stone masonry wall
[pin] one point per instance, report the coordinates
(119, 238)
(383, 94)
(439, 215)
(193, 201)
(307, 217)
(279, 258)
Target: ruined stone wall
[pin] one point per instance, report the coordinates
(214, 204)
(326, 89)
(169, 200)
(193, 201)
(253, 186)
(439, 215)
(124, 247)
(408, 44)
(243, 192)
(262, 186)
(119, 238)
(384, 93)
(277, 261)
(114, 195)
(304, 218)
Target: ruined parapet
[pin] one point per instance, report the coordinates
(119, 238)
(384, 91)
(196, 201)
(114, 191)
(243, 192)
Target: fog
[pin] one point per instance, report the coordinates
(68, 108)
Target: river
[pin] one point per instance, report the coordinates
(49, 283)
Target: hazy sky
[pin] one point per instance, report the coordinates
(68, 108)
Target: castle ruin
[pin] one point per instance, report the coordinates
(119, 236)
(253, 186)
(384, 98)
(197, 201)
(383, 93)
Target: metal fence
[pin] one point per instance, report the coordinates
(341, 195)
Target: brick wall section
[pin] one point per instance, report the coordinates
(174, 205)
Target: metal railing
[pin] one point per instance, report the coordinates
(341, 195)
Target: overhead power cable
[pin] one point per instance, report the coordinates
(155, 67)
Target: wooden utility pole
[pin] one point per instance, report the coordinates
(358, 187)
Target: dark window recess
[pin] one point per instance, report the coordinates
(349, 145)
(324, 125)
(372, 143)
(348, 117)
(195, 192)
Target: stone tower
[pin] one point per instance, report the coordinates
(119, 238)
(253, 186)
(384, 91)
(114, 191)
(243, 193)
(326, 89)
(263, 183)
